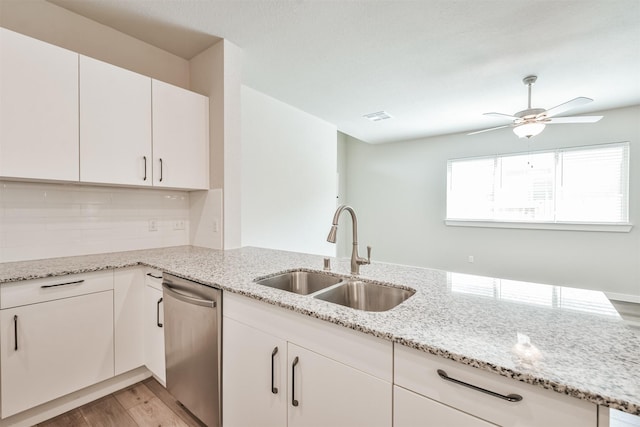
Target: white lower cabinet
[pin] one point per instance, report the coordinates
(323, 392)
(255, 377)
(412, 410)
(325, 375)
(128, 330)
(52, 347)
(154, 326)
(423, 373)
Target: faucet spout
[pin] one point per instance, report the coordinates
(356, 260)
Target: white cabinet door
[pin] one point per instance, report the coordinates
(180, 137)
(115, 124)
(154, 333)
(54, 348)
(254, 377)
(323, 392)
(412, 410)
(128, 301)
(38, 109)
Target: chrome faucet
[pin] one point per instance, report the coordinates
(356, 261)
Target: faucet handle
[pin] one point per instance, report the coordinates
(367, 260)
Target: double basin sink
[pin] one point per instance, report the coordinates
(354, 293)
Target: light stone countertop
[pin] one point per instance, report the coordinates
(585, 349)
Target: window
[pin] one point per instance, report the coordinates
(583, 185)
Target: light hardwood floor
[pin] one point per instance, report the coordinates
(145, 404)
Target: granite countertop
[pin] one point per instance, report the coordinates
(569, 340)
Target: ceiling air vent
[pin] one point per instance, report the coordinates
(376, 117)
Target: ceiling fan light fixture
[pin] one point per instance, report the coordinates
(531, 121)
(527, 130)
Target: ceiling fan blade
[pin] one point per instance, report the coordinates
(500, 115)
(490, 129)
(558, 109)
(576, 119)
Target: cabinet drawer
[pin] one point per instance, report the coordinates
(153, 278)
(26, 292)
(412, 410)
(418, 371)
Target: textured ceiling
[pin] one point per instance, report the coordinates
(434, 65)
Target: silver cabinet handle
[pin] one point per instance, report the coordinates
(160, 170)
(508, 397)
(294, 402)
(154, 276)
(186, 298)
(77, 282)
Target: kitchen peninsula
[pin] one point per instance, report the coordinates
(562, 339)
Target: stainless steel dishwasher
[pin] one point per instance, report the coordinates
(192, 333)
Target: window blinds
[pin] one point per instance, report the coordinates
(575, 185)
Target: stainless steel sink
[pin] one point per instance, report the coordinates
(300, 282)
(366, 296)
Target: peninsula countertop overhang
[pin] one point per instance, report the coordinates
(565, 339)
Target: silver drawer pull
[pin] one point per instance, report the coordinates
(154, 276)
(509, 397)
(77, 282)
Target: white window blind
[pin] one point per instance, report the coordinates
(572, 185)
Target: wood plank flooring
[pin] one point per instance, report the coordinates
(145, 404)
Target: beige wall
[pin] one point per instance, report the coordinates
(53, 24)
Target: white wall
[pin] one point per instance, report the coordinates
(399, 192)
(56, 25)
(288, 176)
(53, 220)
(217, 73)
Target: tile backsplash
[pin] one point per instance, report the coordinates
(52, 220)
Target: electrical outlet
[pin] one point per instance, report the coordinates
(153, 225)
(215, 226)
(471, 259)
(178, 225)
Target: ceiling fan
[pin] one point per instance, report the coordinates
(532, 121)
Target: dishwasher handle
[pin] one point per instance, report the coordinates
(188, 299)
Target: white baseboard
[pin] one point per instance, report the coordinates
(71, 401)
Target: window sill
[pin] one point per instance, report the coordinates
(567, 226)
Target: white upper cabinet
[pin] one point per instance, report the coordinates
(180, 137)
(115, 124)
(67, 117)
(38, 109)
